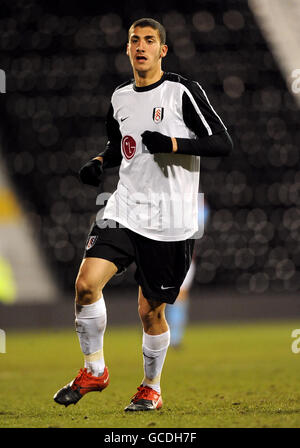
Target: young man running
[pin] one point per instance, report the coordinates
(158, 125)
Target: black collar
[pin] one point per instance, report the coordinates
(150, 86)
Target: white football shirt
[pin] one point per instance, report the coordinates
(156, 195)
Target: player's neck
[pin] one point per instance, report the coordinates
(143, 79)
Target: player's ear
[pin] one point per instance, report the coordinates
(127, 49)
(163, 51)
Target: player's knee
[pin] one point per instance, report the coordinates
(85, 292)
(150, 315)
(145, 315)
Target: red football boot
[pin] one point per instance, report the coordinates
(83, 383)
(146, 399)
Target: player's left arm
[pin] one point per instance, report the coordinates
(212, 138)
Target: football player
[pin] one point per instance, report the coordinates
(159, 124)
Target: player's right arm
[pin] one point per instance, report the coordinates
(91, 173)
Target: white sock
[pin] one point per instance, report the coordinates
(154, 353)
(90, 324)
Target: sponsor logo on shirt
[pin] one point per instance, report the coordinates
(128, 147)
(158, 114)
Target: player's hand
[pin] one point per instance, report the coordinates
(157, 142)
(91, 173)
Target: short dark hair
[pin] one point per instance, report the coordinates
(153, 24)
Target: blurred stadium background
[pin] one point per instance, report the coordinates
(62, 61)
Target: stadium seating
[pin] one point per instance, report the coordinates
(62, 66)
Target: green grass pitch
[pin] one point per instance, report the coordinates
(226, 375)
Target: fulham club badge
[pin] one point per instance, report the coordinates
(158, 114)
(91, 242)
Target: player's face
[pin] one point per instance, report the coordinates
(145, 49)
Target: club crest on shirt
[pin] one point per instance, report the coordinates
(158, 114)
(91, 242)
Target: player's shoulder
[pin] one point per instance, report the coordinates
(189, 83)
(122, 89)
(124, 86)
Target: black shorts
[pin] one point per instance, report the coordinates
(161, 265)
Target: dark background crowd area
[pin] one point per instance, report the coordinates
(64, 59)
